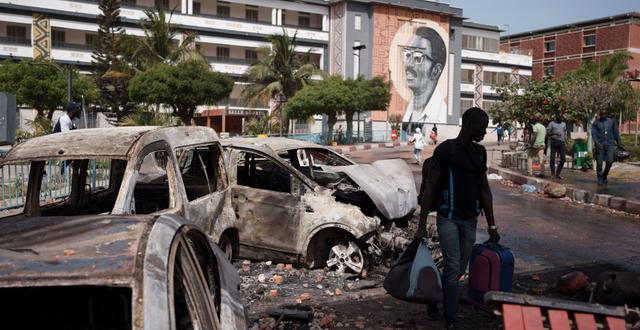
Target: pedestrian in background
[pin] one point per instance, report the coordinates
(557, 131)
(67, 121)
(434, 134)
(536, 149)
(604, 132)
(500, 133)
(418, 144)
(458, 165)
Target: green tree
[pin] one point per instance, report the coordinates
(183, 87)
(331, 96)
(111, 56)
(279, 69)
(368, 94)
(42, 85)
(157, 45)
(595, 87)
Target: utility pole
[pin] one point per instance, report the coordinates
(358, 48)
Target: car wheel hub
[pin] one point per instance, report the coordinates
(346, 258)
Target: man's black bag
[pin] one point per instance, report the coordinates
(414, 276)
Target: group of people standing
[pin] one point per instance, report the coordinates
(604, 132)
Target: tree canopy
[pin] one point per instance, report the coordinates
(42, 85)
(183, 87)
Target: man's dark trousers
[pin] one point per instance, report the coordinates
(557, 146)
(603, 153)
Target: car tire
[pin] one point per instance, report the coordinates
(226, 244)
(346, 257)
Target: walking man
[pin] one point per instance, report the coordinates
(537, 149)
(66, 122)
(459, 172)
(605, 131)
(557, 130)
(500, 133)
(418, 143)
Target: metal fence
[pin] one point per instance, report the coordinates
(368, 137)
(56, 182)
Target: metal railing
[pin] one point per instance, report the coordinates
(15, 41)
(231, 60)
(56, 182)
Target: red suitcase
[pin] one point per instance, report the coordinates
(490, 269)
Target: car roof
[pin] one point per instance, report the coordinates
(100, 249)
(112, 142)
(277, 144)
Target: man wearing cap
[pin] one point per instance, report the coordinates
(65, 122)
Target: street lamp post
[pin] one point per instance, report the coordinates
(358, 48)
(281, 99)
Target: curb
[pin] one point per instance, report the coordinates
(576, 194)
(368, 146)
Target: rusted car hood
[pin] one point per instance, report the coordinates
(389, 183)
(92, 247)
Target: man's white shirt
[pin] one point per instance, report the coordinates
(65, 123)
(434, 112)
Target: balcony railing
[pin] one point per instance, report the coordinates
(15, 41)
(230, 60)
(233, 19)
(66, 45)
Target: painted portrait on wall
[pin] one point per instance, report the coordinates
(419, 70)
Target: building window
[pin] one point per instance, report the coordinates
(164, 4)
(90, 40)
(357, 23)
(465, 104)
(129, 3)
(467, 76)
(57, 38)
(16, 33)
(356, 59)
(589, 40)
(196, 8)
(549, 70)
(490, 45)
(251, 56)
(304, 21)
(550, 46)
(495, 78)
(251, 15)
(471, 42)
(222, 53)
(223, 11)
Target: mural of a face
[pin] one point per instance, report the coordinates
(417, 71)
(421, 72)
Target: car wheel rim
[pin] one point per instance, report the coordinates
(346, 258)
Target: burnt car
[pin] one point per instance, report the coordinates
(281, 214)
(384, 188)
(117, 232)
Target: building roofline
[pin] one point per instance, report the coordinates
(414, 4)
(481, 26)
(633, 14)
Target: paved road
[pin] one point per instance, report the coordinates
(548, 234)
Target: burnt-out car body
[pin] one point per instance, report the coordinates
(384, 188)
(118, 232)
(283, 215)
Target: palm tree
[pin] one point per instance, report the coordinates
(157, 44)
(279, 70)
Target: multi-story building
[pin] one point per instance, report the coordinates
(484, 66)
(417, 44)
(228, 34)
(559, 49)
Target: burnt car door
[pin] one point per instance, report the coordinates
(266, 200)
(205, 183)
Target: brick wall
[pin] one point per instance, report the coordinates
(569, 44)
(387, 20)
(614, 37)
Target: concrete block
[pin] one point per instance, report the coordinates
(632, 206)
(580, 195)
(602, 199)
(617, 203)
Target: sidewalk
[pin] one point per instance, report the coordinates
(621, 193)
